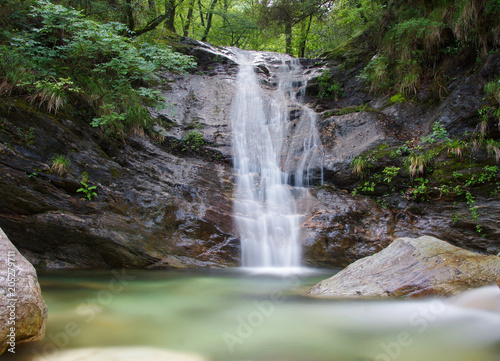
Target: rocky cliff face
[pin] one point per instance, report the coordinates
(156, 206)
(162, 202)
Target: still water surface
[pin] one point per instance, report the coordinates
(239, 315)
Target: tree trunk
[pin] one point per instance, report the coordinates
(129, 15)
(201, 13)
(304, 35)
(189, 18)
(288, 36)
(170, 15)
(209, 20)
(152, 8)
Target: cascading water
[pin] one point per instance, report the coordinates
(272, 150)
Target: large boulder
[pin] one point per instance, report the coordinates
(412, 268)
(22, 310)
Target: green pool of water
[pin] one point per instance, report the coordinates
(236, 315)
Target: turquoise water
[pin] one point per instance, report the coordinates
(236, 315)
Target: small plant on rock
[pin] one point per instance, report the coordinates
(493, 149)
(88, 191)
(359, 166)
(194, 141)
(60, 164)
(390, 173)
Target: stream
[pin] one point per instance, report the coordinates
(245, 315)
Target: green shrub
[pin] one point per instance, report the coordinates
(194, 141)
(389, 173)
(328, 88)
(439, 133)
(64, 55)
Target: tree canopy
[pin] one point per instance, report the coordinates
(105, 52)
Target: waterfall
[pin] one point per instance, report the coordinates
(272, 151)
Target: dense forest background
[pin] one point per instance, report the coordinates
(104, 52)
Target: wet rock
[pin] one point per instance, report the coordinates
(151, 205)
(345, 137)
(23, 312)
(120, 354)
(200, 103)
(412, 268)
(342, 228)
(459, 111)
(211, 59)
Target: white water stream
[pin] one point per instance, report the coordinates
(271, 152)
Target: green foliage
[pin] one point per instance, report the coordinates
(377, 73)
(64, 55)
(348, 20)
(484, 176)
(416, 37)
(27, 136)
(50, 92)
(492, 90)
(493, 149)
(389, 173)
(420, 192)
(366, 187)
(456, 147)
(491, 112)
(194, 141)
(60, 164)
(417, 163)
(439, 133)
(88, 191)
(328, 88)
(359, 166)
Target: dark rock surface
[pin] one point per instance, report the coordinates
(345, 228)
(412, 268)
(153, 208)
(20, 295)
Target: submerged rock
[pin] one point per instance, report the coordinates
(484, 298)
(120, 354)
(412, 268)
(23, 312)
